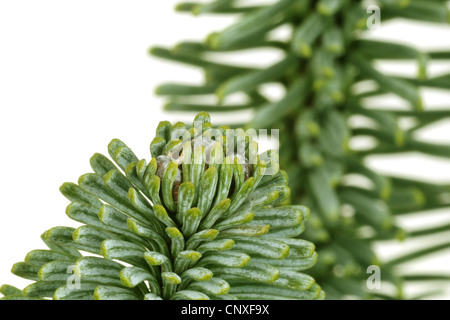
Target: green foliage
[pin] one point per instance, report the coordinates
(324, 62)
(200, 221)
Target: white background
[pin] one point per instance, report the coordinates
(76, 74)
